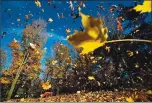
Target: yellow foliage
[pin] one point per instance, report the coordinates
(149, 92)
(15, 45)
(6, 73)
(4, 80)
(145, 7)
(91, 78)
(129, 99)
(54, 62)
(92, 38)
(46, 85)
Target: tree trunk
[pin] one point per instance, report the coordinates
(17, 76)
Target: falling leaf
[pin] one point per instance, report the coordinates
(46, 85)
(79, 8)
(137, 65)
(58, 15)
(33, 46)
(94, 61)
(31, 15)
(119, 25)
(15, 44)
(49, 2)
(129, 99)
(80, 3)
(99, 84)
(68, 31)
(91, 78)
(54, 62)
(145, 7)
(107, 49)
(50, 20)
(26, 17)
(18, 20)
(84, 6)
(91, 57)
(92, 38)
(42, 10)
(62, 15)
(130, 53)
(37, 3)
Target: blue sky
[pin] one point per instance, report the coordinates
(18, 9)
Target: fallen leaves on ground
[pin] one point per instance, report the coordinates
(99, 96)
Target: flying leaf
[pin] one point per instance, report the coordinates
(50, 20)
(99, 84)
(137, 65)
(54, 62)
(42, 10)
(33, 46)
(46, 85)
(130, 53)
(92, 38)
(18, 20)
(37, 3)
(129, 99)
(145, 7)
(91, 78)
(107, 49)
(68, 31)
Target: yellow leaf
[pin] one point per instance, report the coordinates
(91, 78)
(18, 20)
(145, 7)
(50, 20)
(94, 62)
(46, 85)
(54, 62)
(149, 92)
(130, 53)
(129, 99)
(99, 83)
(22, 99)
(38, 3)
(92, 38)
(137, 65)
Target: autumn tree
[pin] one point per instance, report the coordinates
(27, 58)
(58, 65)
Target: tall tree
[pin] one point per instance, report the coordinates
(34, 36)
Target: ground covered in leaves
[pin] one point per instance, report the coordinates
(99, 96)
